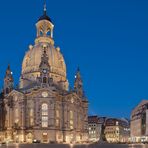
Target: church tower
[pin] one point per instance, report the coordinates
(8, 81)
(78, 84)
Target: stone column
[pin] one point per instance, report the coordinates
(23, 120)
(63, 120)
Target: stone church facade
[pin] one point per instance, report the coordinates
(42, 107)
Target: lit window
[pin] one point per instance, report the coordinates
(44, 121)
(71, 127)
(31, 122)
(71, 119)
(71, 114)
(117, 123)
(31, 114)
(16, 113)
(44, 106)
(57, 114)
(44, 115)
(71, 122)
(16, 116)
(57, 122)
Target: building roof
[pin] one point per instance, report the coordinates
(102, 119)
(45, 16)
(116, 122)
(138, 111)
(93, 119)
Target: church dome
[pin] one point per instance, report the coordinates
(32, 60)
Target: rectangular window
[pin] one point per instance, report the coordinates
(44, 121)
(44, 113)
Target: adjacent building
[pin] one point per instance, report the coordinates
(94, 128)
(139, 122)
(43, 107)
(117, 130)
(112, 130)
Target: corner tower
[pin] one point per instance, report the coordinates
(32, 58)
(8, 81)
(78, 84)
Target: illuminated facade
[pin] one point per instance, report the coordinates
(117, 130)
(139, 122)
(43, 107)
(94, 128)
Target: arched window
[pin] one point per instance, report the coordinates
(41, 33)
(48, 33)
(44, 115)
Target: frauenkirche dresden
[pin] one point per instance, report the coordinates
(43, 107)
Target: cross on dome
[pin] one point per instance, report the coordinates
(45, 16)
(45, 9)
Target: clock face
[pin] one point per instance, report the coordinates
(44, 71)
(44, 94)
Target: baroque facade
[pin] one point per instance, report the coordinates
(43, 107)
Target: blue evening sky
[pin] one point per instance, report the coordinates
(108, 39)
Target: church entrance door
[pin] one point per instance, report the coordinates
(29, 138)
(45, 137)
